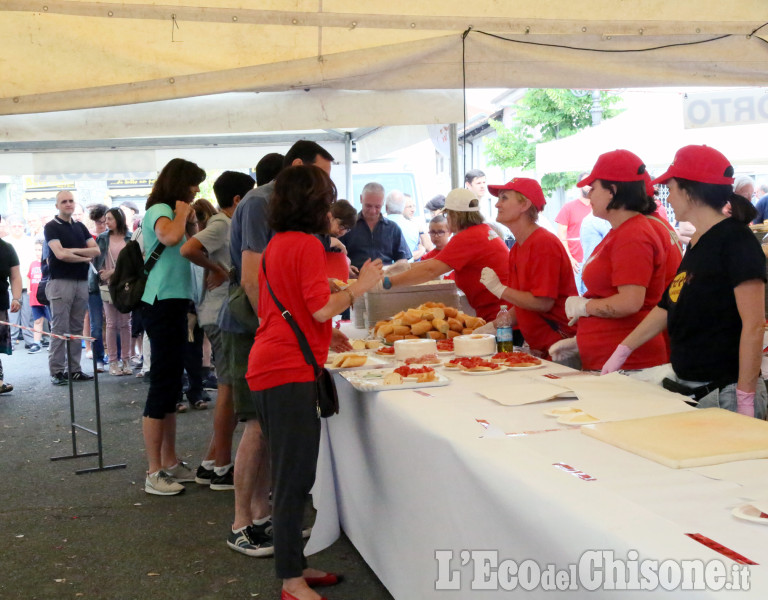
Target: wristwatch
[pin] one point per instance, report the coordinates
(386, 284)
(17, 300)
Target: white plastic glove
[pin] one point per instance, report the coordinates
(564, 349)
(575, 307)
(490, 280)
(397, 267)
(487, 328)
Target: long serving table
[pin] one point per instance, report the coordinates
(434, 488)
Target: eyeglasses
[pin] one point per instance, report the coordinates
(438, 233)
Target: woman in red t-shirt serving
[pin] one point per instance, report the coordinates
(624, 275)
(283, 384)
(540, 273)
(473, 246)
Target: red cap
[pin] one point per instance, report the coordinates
(699, 163)
(618, 165)
(529, 188)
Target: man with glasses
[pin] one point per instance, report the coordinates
(71, 249)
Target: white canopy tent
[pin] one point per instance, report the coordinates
(653, 129)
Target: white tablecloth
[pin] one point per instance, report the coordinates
(406, 475)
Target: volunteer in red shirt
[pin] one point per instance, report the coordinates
(474, 245)
(625, 274)
(440, 234)
(540, 274)
(283, 384)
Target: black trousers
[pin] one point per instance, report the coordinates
(289, 420)
(165, 322)
(193, 363)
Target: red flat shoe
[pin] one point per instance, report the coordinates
(286, 596)
(325, 580)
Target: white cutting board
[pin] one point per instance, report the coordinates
(708, 436)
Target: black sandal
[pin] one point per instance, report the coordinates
(200, 405)
(5, 388)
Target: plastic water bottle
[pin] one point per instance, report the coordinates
(504, 330)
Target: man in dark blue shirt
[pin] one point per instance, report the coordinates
(762, 210)
(373, 236)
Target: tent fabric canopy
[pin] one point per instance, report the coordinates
(69, 54)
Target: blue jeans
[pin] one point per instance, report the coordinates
(96, 312)
(726, 397)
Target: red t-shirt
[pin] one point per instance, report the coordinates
(467, 253)
(35, 275)
(296, 270)
(432, 254)
(571, 215)
(337, 266)
(540, 266)
(671, 244)
(630, 255)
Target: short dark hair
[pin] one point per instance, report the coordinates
(302, 197)
(344, 212)
(438, 219)
(630, 195)
(306, 152)
(742, 209)
(173, 183)
(119, 218)
(230, 184)
(268, 167)
(472, 175)
(97, 211)
(714, 195)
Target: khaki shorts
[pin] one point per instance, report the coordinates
(236, 348)
(223, 370)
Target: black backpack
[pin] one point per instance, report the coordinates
(126, 286)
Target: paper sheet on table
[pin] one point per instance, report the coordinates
(522, 392)
(752, 475)
(616, 397)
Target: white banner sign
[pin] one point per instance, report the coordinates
(733, 107)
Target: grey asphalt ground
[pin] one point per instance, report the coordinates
(98, 535)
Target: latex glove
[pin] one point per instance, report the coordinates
(564, 349)
(487, 328)
(490, 280)
(400, 266)
(575, 307)
(745, 402)
(617, 359)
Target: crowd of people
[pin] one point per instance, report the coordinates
(253, 278)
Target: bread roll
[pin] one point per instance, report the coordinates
(438, 312)
(393, 337)
(450, 312)
(452, 334)
(337, 361)
(467, 331)
(425, 377)
(402, 330)
(421, 327)
(372, 344)
(440, 325)
(359, 345)
(411, 316)
(353, 360)
(410, 336)
(436, 335)
(385, 330)
(454, 324)
(393, 379)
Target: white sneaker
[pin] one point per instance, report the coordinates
(162, 484)
(180, 472)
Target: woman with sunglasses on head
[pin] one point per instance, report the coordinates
(714, 308)
(624, 276)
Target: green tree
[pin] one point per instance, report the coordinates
(543, 115)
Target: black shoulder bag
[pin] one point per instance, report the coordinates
(326, 398)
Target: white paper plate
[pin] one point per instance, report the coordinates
(562, 411)
(372, 381)
(575, 419)
(749, 513)
(494, 372)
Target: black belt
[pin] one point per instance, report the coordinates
(695, 393)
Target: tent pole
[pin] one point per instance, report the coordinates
(454, 142)
(348, 167)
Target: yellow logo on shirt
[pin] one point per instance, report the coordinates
(677, 285)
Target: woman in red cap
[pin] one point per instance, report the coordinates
(714, 308)
(540, 273)
(624, 276)
(474, 245)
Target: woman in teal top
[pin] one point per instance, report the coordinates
(169, 220)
